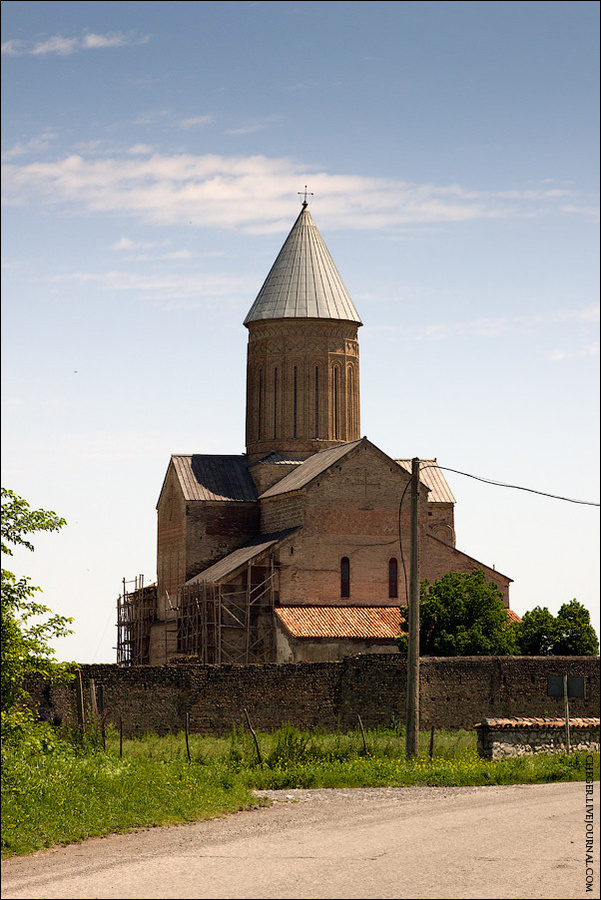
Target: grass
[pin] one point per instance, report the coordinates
(58, 791)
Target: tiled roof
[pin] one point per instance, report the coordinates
(310, 469)
(303, 281)
(532, 721)
(513, 617)
(238, 558)
(207, 477)
(347, 622)
(432, 477)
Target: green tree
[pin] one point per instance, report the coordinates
(574, 634)
(462, 614)
(570, 633)
(27, 626)
(536, 633)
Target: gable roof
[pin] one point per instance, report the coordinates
(303, 281)
(347, 622)
(239, 558)
(431, 475)
(218, 478)
(310, 468)
(466, 557)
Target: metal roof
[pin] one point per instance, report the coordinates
(432, 477)
(239, 558)
(310, 469)
(207, 477)
(351, 622)
(303, 281)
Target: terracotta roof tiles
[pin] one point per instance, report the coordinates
(536, 722)
(348, 622)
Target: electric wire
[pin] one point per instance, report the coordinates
(515, 487)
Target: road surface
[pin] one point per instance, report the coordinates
(522, 841)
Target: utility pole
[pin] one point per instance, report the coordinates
(412, 724)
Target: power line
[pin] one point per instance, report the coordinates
(515, 487)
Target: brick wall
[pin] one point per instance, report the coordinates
(455, 693)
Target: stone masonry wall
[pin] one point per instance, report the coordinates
(528, 736)
(455, 693)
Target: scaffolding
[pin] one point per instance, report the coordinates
(136, 611)
(229, 621)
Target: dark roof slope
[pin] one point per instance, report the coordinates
(218, 478)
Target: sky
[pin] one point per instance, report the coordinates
(154, 159)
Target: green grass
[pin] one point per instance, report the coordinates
(56, 791)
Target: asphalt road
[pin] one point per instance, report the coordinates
(525, 841)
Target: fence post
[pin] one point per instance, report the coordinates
(81, 712)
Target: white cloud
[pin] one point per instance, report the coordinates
(251, 192)
(129, 246)
(586, 350)
(498, 326)
(245, 129)
(195, 121)
(141, 150)
(11, 48)
(56, 44)
(92, 41)
(64, 46)
(34, 145)
(175, 290)
(125, 243)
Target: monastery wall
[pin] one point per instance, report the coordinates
(456, 692)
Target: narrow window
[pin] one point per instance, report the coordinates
(335, 402)
(260, 407)
(295, 404)
(316, 401)
(345, 577)
(275, 404)
(351, 404)
(393, 578)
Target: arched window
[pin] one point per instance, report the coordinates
(345, 577)
(393, 578)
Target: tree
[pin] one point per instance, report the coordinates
(462, 614)
(574, 635)
(27, 626)
(536, 633)
(570, 633)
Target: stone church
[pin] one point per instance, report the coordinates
(298, 549)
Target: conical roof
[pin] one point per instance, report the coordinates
(303, 282)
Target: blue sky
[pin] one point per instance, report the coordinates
(152, 159)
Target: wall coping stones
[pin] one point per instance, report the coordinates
(532, 722)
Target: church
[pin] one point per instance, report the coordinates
(298, 549)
